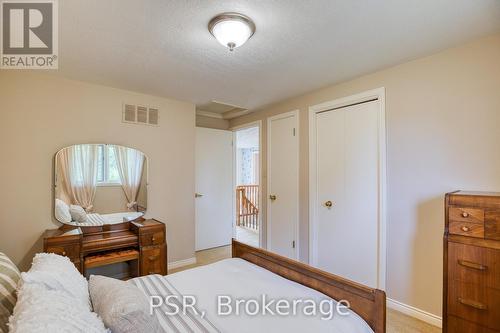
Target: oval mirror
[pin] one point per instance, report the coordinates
(98, 184)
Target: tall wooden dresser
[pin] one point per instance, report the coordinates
(471, 290)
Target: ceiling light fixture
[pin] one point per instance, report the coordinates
(231, 29)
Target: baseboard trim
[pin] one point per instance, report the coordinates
(180, 263)
(414, 312)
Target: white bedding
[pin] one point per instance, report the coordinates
(95, 219)
(241, 279)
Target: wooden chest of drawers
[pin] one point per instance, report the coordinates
(471, 290)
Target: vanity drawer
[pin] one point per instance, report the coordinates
(68, 250)
(479, 304)
(466, 229)
(458, 325)
(464, 214)
(153, 261)
(154, 238)
(474, 264)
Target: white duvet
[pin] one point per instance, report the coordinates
(243, 280)
(95, 219)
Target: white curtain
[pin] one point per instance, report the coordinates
(78, 166)
(130, 163)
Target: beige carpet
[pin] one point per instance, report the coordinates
(397, 322)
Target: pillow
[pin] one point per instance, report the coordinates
(61, 211)
(78, 213)
(123, 307)
(56, 272)
(39, 309)
(9, 276)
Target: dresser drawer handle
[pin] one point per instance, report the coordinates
(153, 238)
(474, 304)
(150, 273)
(465, 228)
(465, 214)
(153, 258)
(472, 265)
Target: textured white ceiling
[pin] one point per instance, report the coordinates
(164, 48)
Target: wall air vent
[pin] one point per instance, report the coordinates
(140, 114)
(153, 116)
(129, 113)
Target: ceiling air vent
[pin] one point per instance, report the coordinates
(139, 114)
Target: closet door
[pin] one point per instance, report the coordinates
(346, 222)
(283, 184)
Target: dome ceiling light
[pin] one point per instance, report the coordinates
(231, 29)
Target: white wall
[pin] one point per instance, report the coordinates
(40, 114)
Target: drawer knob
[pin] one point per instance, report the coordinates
(63, 253)
(465, 214)
(464, 228)
(153, 258)
(153, 238)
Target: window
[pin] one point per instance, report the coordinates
(107, 170)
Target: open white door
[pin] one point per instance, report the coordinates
(213, 198)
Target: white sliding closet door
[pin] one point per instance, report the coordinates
(283, 184)
(346, 192)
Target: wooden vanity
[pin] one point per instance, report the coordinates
(141, 243)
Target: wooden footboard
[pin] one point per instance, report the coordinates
(368, 303)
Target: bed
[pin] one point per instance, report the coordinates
(53, 286)
(252, 273)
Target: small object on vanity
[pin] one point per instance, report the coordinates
(471, 291)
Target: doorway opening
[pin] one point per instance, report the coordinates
(247, 189)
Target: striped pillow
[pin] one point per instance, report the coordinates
(9, 276)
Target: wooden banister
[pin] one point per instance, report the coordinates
(247, 202)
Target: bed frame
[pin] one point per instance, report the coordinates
(368, 303)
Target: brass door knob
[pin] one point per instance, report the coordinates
(272, 197)
(329, 204)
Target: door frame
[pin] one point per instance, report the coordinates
(257, 123)
(378, 94)
(295, 114)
